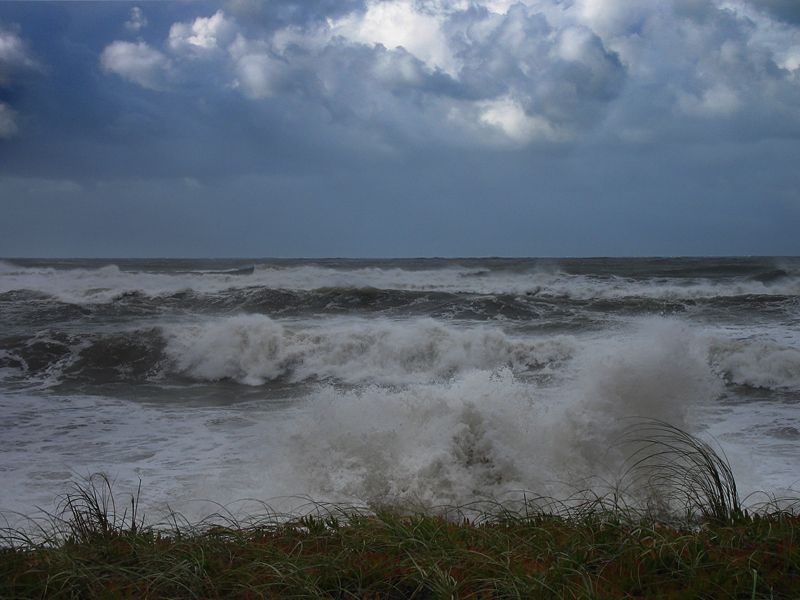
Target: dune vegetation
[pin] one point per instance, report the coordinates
(691, 538)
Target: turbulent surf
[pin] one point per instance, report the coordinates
(422, 381)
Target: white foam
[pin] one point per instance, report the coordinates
(757, 362)
(180, 453)
(253, 349)
(762, 442)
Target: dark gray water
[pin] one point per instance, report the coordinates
(383, 379)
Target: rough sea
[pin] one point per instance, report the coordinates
(420, 381)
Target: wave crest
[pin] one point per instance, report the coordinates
(757, 363)
(253, 349)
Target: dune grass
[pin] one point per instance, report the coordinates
(710, 547)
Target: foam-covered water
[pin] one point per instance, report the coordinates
(414, 381)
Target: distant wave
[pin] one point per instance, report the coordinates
(109, 283)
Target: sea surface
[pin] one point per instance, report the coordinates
(419, 381)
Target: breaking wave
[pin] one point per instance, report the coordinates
(255, 349)
(758, 363)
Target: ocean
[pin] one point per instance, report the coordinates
(417, 382)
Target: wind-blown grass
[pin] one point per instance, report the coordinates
(680, 470)
(599, 547)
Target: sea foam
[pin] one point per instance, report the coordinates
(757, 362)
(253, 349)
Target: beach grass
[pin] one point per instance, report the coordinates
(710, 546)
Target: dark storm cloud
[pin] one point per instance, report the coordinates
(400, 127)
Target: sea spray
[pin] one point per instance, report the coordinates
(660, 371)
(486, 433)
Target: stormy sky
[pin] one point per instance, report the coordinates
(383, 128)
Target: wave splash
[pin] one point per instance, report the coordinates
(485, 434)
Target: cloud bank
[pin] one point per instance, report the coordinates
(400, 127)
(496, 73)
(15, 60)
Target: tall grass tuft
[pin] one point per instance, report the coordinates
(88, 511)
(681, 472)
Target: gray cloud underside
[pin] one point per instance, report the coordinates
(496, 75)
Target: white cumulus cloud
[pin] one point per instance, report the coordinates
(202, 34)
(137, 62)
(14, 56)
(510, 118)
(257, 72)
(137, 20)
(257, 75)
(495, 71)
(15, 60)
(400, 23)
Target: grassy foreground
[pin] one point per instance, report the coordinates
(391, 556)
(598, 548)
